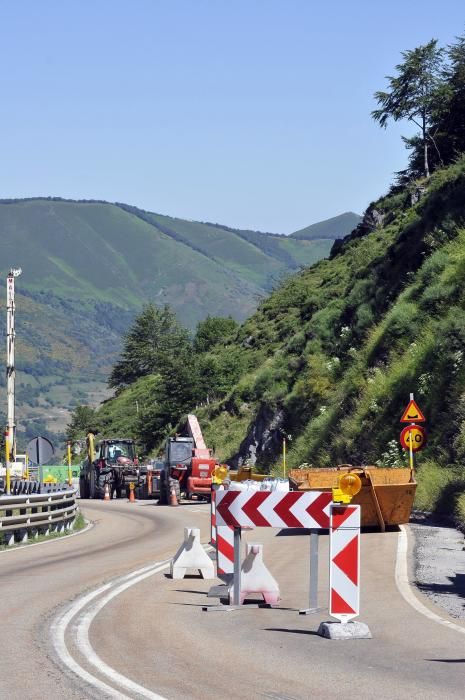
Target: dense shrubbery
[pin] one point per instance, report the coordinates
(160, 375)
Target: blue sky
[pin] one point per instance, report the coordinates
(252, 113)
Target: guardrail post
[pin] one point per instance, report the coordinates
(25, 515)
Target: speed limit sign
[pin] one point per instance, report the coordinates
(414, 437)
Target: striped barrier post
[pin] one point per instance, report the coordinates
(225, 550)
(222, 538)
(213, 516)
(344, 572)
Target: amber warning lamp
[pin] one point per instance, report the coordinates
(219, 473)
(348, 487)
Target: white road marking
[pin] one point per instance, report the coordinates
(405, 587)
(81, 629)
(85, 647)
(58, 630)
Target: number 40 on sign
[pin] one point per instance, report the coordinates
(414, 433)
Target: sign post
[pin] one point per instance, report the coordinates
(313, 588)
(40, 451)
(237, 567)
(70, 476)
(413, 436)
(7, 464)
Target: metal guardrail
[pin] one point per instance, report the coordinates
(19, 486)
(29, 515)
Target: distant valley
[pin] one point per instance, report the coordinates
(89, 267)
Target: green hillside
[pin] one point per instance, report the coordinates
(332, 355)
(336, 227)
(89, 267)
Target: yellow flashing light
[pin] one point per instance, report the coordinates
(220, 473)
(349, 485)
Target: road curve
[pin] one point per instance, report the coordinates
(35, 582)
(153, 640)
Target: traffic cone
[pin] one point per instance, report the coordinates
(131, 493)
(106, 493)
(173, 499)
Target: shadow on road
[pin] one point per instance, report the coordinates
(456, 586)
(282, 629)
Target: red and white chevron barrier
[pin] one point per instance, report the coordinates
(314, 510)
(307, 509)
(225, 549)
(344, 571)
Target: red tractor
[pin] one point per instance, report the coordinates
(187, 467)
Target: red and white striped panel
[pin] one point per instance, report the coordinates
(344, 569)
(225, 549)
(273, 509)
(213, 516)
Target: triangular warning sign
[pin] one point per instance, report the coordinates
(412, 414)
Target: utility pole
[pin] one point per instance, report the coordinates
(10, 360)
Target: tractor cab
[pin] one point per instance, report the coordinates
(109, 451)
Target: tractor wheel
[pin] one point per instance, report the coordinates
(91, 484)
(83, 487)
(164, 495)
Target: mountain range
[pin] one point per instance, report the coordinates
(90, 266)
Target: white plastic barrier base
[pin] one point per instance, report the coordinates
(191, 555)
(255, 577)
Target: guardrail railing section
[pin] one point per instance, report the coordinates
(29, 515)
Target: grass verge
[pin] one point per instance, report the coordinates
(79, 524)
(441, 491)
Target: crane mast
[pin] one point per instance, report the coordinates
(10, 360)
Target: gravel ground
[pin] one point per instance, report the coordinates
(439, 553)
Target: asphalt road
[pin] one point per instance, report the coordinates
(152, 638)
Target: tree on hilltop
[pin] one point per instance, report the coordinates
(416, 94)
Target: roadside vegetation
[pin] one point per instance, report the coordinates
(331, 355)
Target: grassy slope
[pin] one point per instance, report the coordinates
(89, 266)
(336, 227)
(338, 348)
(101, 251)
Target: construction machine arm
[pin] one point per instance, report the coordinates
(194, 431)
